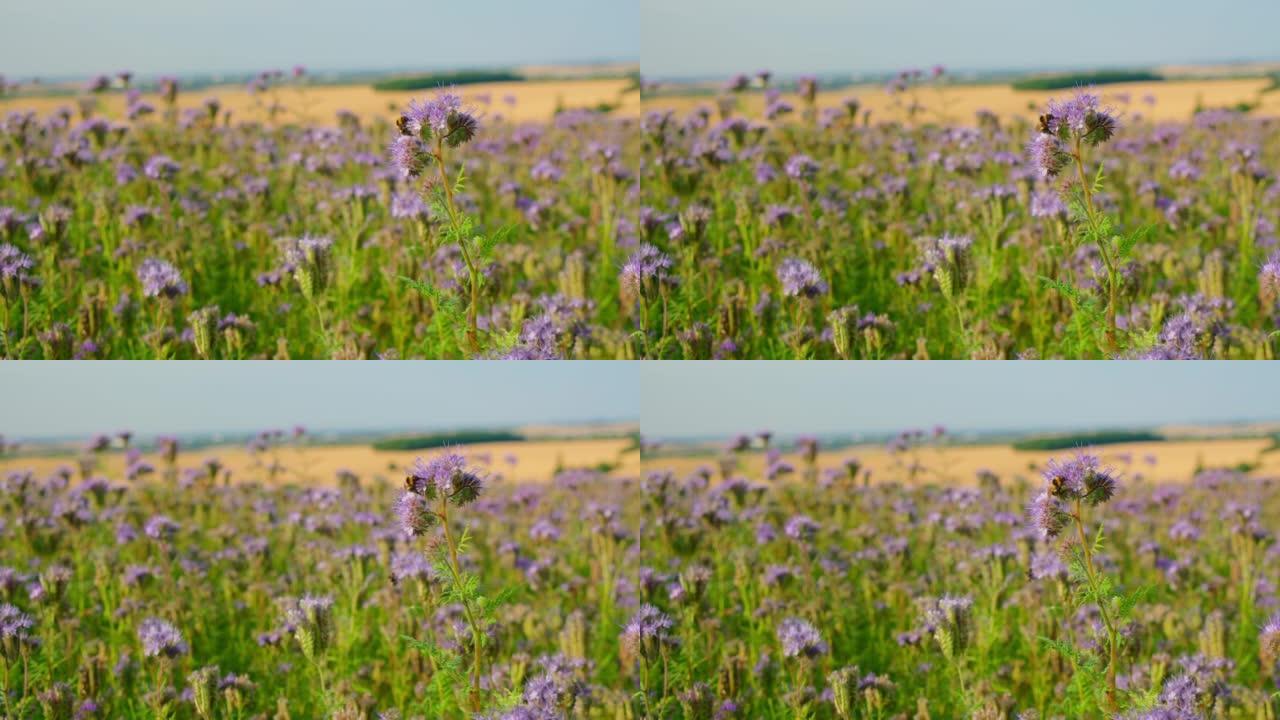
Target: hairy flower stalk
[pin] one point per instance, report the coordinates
(951, 622)
(1072, 486)
(950, 258)
(163, 642)
(427, 130)
(802, 643)
(645, 639)
(311, 260)
(430, 489)
(313, 628)
(1065, 131)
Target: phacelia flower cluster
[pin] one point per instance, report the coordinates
(646, 268)
(951, 622)
(446, 478)
(646, 633)
(15, 630)
(1078, 118)
(1080, 479)
(312, 621)
(1269, 644)
(160, 279)
(160, 639)
(441, 119)
(800, 278)
(799, 638)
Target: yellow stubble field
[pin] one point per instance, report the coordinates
(1174, 100)
(319, 465)
(1174, 461)
(534, 100)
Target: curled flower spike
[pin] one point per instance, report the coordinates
(950, 259)
(648, 630)
(312, 621)
(310, 258)
(952, 622)
(204, 689)
(15, 631)
(1269, 645)
(160, 639)
(1080, 478)
(799, 278)
(647, 268)
(446, 476)
(442, 118)
(416, 518)
(800, 639)
(160, 279)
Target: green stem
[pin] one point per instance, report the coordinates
(1113, 639)
(456, 572)
(473, 332)
(1113, 280)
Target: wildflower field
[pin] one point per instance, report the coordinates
(779, 227)
(816, 590)
(159, 584)
(170, 589)
(154, 228)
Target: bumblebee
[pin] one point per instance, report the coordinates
(1055, 485)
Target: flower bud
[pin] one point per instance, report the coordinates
(204, 687)
(312, 266)
(844, 684)
(844, 322)
(952, 619)
(204, 325)
(313, 625)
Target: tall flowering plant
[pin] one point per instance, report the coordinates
(434, 489)
(428, 133)
(1060, 513)
(1060, 149)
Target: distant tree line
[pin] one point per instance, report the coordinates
(435, 80)
(1074, 440)
(1072, 80)
(435, 440)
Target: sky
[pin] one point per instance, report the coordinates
(81, 37)
(714, 400)
(73, 399)
(718, 38)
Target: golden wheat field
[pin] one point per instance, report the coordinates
(1174, 461)
(1174, 100)
(534, 100)
(535, 461)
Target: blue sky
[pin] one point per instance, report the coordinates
(682, 38)
(52, 399)
(72, 37)
(721, 399)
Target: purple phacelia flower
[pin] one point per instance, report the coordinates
(160, 279)
(1080, 478)
(799, 278)
(647, 267)
(160, 639)
(800, 639)
(445, 476)
(648, 630)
